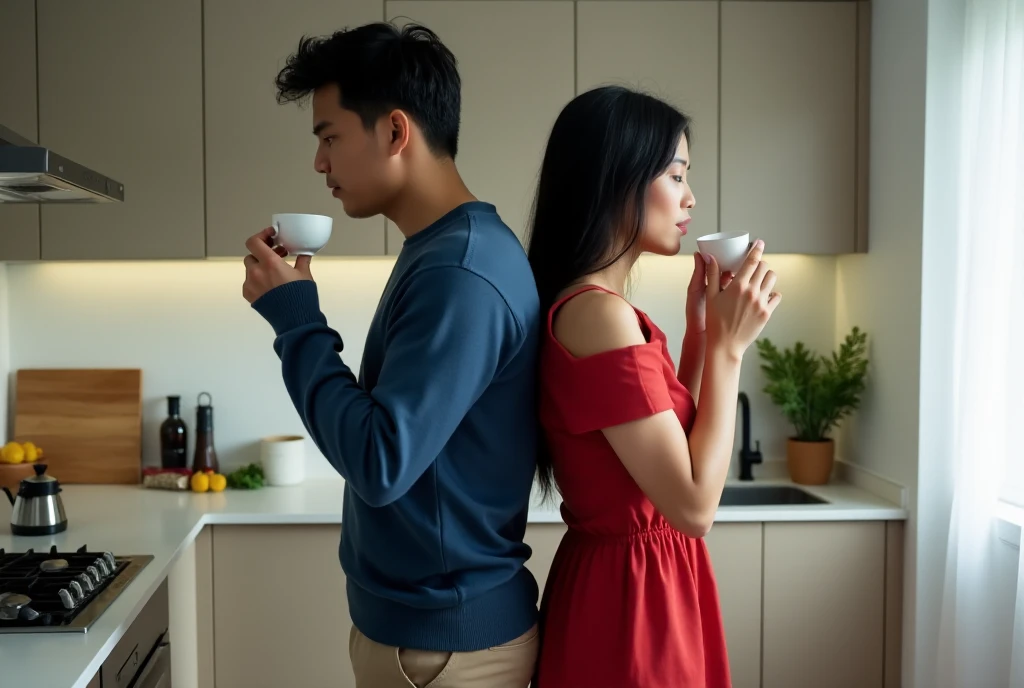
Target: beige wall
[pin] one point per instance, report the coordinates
(186, 325)
(881, 291)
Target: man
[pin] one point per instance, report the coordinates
(435, 439)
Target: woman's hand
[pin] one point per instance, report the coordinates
(696, 295)
(736, 313)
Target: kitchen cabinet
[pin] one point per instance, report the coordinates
(512, 91)
(259, 154)
(543, 539)
(280, 612)
(736, 555)
(804, 604)
(120, 90)
(789, 124)
(639, 44)
(19, 222)
(824, 604)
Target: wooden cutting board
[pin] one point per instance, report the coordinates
(87, 421)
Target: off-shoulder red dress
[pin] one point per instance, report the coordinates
(630, 602)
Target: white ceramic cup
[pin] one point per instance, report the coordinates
(283, 458)
(301, 234)
(728, 248)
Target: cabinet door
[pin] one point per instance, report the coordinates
(735, 550)
(788, 119)
(280, 611)
(19, 222)
(824, 594)
(516, 62)
(120, 91)
(544, 539)
(670, 50)
(259, 155)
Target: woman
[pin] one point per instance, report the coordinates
(631, 599)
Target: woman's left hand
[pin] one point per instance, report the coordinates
(696, 299)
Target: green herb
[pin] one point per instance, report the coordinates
(814, 393)
(246, 478)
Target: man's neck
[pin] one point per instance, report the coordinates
(430, 195)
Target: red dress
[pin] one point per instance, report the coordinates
(630, 602)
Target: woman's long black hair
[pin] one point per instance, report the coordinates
(606, 147)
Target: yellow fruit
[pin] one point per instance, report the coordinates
(218, 482)
(200, 482)
(32, 452)
(12, 453)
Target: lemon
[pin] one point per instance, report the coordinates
(200, 482)
(12, 453)
(32, 452)
(218, 482)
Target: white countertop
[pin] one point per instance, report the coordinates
(128, 520)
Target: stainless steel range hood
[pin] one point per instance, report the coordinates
(30, 173)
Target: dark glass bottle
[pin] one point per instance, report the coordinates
(174, 436)
(205, 455)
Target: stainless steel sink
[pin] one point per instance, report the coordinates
(766, 495)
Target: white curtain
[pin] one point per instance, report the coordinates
(981, 638)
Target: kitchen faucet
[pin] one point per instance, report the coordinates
(747, 457)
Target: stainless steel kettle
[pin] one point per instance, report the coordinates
(38, 508)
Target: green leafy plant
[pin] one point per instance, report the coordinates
(815, 392)
(248, 477)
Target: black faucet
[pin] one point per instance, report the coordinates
(748, 457)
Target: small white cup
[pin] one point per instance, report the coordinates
(301, 234)
(283, 458)
(728, 248)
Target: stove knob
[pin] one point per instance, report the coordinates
(86, 582)
(66, 599)
(94, 574)
(101, 566)
(111, 561)
(76, 591)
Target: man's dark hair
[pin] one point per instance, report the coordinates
(379, 67)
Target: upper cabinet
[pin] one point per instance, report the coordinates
(670, 50)
(259, 154)
(120, 90)
(516, 62)
(789, 124)
(176, 100)
(19, 222)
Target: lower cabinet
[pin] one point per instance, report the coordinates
(280, 615)
(736, 555)
(804, 603)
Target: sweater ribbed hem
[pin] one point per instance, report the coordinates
(492, 618)
(290, 305)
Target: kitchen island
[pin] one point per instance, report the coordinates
(129, 520)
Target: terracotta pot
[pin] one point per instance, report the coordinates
(810, 463)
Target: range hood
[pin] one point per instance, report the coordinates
(30, 173)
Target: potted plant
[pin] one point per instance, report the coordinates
(814, 393)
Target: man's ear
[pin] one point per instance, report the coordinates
(399, 131)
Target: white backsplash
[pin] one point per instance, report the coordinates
(186, 325)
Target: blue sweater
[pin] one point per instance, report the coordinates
(435, 438)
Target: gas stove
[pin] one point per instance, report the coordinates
(61, 592)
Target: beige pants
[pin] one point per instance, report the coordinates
(504, 666)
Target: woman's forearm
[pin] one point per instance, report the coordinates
(691, 362)
(714, 429)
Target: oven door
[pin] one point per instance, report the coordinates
(156, 672)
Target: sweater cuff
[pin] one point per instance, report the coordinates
(290, 305)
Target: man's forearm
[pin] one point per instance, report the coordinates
(691, 362)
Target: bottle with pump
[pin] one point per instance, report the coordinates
(205, 455)
(174, 436)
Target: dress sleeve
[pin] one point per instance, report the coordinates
(611, 388)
